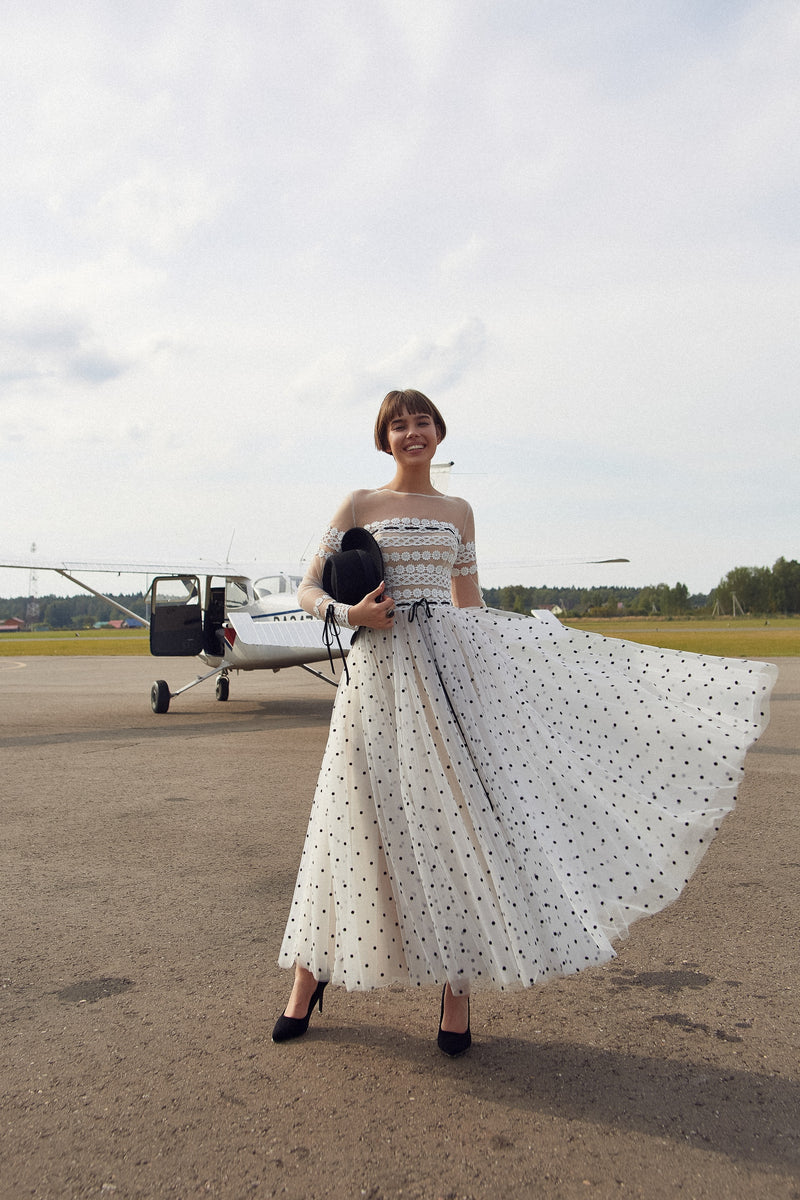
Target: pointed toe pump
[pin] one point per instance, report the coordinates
(453, 1044)
(287, 1028)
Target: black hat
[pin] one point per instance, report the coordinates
(356, 569)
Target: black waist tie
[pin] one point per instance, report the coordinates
(424, 605)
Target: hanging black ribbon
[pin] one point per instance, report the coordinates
(413, 612)
(330, 634)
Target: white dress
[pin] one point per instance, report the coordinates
(501, 797)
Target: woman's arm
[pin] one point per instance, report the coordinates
(464, 586)
(311, 595)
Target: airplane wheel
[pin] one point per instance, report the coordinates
(160, 696)
(223, 687)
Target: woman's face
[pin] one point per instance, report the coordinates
(412, 438)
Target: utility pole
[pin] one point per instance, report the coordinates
(32, 608)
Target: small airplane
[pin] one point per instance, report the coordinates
(219, 613)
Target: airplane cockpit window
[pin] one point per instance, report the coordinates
(277, 585)
(236, 595)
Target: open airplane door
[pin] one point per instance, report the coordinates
(176, 616)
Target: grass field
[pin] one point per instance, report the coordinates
(742, 638)
(745, 637)
(63, 642)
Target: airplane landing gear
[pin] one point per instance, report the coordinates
(160, 696)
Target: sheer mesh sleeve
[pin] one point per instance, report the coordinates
(464, 585)
(310, 595)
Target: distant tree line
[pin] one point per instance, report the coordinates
(72, 612)
(596, 601)
(755, 589)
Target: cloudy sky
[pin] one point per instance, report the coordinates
(228, 228)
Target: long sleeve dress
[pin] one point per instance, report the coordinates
(501, 797)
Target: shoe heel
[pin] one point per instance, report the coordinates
(288, 1028)
(453, 1044)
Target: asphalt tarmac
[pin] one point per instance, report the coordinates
(146, 869)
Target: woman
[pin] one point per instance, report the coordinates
(499, 797)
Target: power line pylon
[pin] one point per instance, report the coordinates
(32, 608)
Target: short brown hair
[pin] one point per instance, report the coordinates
(410, 401)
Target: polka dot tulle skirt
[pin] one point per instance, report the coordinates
(501, 797)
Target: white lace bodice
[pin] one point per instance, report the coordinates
(428, 546)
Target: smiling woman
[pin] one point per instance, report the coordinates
(500, 797)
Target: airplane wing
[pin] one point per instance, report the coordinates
(538, 563)
(200, 566)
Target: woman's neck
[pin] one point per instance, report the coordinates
(418, 482)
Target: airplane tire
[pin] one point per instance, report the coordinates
(223, 687)
(160, 696)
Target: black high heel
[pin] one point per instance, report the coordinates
(451, 1043)
(287, 1028)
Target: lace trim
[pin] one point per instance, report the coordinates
(407, 594)
(410, 524)
(418, 556)
(418, 572)
(342, 614)
(340, 611)
(331, 542)
(412, 531)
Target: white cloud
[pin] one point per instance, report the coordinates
(436, 365)
(156, 209)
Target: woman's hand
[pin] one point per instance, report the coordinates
(376, 610)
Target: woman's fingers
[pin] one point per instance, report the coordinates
(376, 610)
(382, 608)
